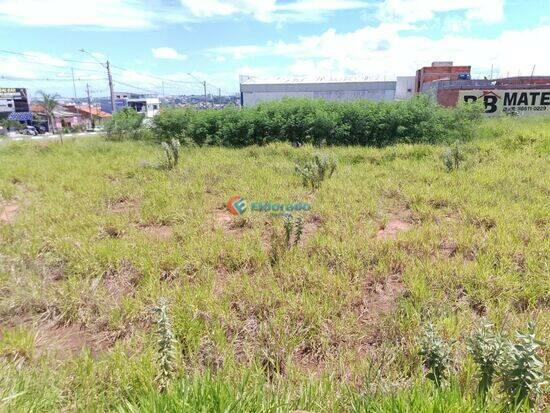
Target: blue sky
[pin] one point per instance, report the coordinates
(183, 41)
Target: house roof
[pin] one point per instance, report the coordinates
(59, 110)
(64, 111)
(85, 110)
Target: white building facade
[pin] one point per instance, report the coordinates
(254, 91)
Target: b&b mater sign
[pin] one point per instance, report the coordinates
(524, 102)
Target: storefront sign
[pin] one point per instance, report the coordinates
(528, 102)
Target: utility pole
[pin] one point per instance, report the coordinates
(533, 71)
(110, 86)
(107, 66)
(74, 85)
(90, 105)
(205, 98)
(219, 96)
(491, 77)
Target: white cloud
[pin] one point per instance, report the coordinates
(142, 14)
(37, 70)
(30, 64)
(209, 8)
(409, 11)
(39, 58)
(382, 52)
(115, 14)
(168, 53)
(270, 10)
(237, 52)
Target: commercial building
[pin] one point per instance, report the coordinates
(405, 87)
(14, 104)
(446, 83)
(440, 71)
(450, 85)
(254, 90)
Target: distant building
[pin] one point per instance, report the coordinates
(440, 71)
(63, 117)
(14, 104)
(405, 87)
(449, 85)
(148, 106)
(518, 95)
(91, 116)
(254, 90)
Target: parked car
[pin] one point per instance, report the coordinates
(29, 130)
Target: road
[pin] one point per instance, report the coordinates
(45, 137)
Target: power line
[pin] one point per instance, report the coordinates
(38, 59)
(47, 79)
(137, 87)
(165, 79)
(31, 56)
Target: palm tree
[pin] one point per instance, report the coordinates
(49, 103)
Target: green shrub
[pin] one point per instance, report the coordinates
(171, 154)
(283, 239)
(485, 346)
(452, 157)
(125, 124)
(293, 230)
(320, 122)
(166, 347)
(172, 123)
(435, 355)
(316, 170)
(523, 375)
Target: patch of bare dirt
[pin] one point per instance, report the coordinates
(112, 231)
(158, 231)
(438, 203)
(392, 228)
(222, 218)
(235, 225)
(311, 225)
(486, 223)
(61, 341)
(448, 248)
(8, 212)
(123, 204)
(65, 341)
(121, 281)
(378, 300)
(220, 280)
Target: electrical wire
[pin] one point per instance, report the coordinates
(34, 59)
(46, 79)
(30, 56)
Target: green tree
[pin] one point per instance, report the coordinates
(125, 124)
(49, 103)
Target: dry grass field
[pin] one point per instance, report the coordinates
(93, 236)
